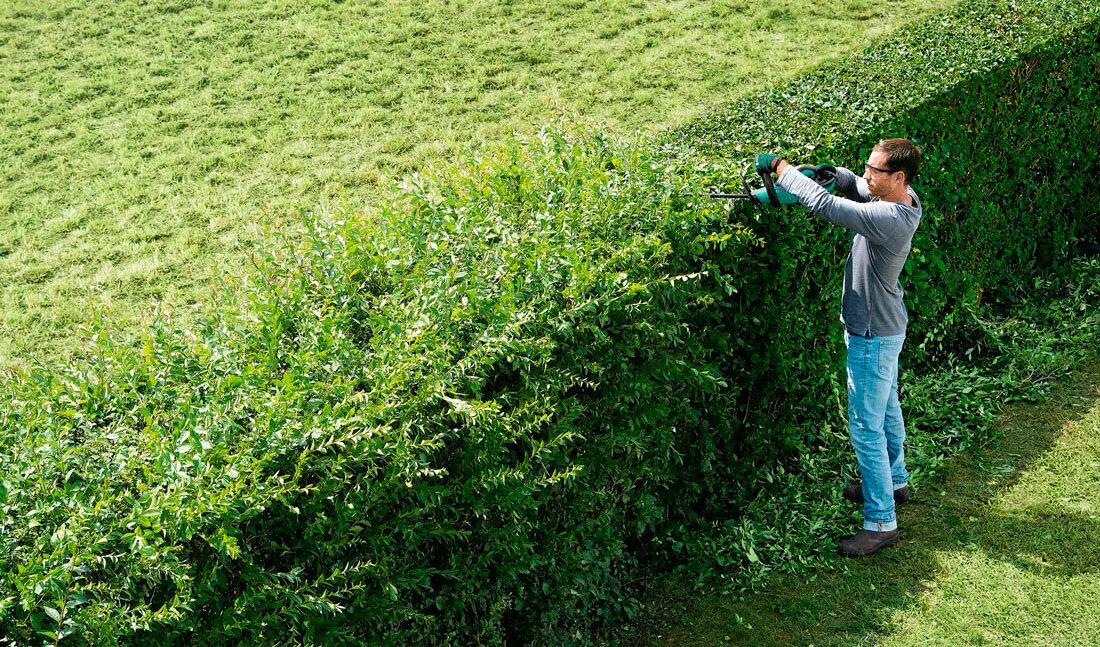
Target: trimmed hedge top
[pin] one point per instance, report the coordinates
(851, 101)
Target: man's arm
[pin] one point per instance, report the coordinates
(877, 221)
(851, 185)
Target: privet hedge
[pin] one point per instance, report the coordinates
(476, 413)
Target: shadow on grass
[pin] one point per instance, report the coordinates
(853, 603)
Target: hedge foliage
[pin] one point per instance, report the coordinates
(477, 412)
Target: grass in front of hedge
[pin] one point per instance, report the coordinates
(1002, 551)
(1017, 564)
(143, 143)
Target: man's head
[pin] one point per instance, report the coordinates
(891, 167)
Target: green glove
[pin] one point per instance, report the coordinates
(823, 174)
(766, 162)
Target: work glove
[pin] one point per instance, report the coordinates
(823, 174)
(767, 163)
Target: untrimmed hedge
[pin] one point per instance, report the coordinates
(477, 412)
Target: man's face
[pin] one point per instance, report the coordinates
(880, 181)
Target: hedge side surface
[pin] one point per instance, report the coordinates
(476, 413)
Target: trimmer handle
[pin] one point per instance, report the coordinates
(823, 174)
(769, 187)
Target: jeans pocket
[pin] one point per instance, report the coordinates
(889, 349)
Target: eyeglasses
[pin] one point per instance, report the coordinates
(877, 169)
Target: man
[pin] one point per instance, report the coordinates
(883, 212)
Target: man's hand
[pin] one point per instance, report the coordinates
(766, 162)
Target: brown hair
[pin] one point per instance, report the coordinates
(901, 155)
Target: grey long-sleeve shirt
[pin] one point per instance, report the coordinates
(873, 302)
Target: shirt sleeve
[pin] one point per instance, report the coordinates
(877, 221)
(851, 185)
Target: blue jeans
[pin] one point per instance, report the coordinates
(875, 424)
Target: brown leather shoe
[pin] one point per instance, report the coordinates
(866, 542)
(854, 493)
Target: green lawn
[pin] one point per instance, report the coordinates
(1001, 553)
(144, 144)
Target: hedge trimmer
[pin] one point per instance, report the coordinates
(769, 194)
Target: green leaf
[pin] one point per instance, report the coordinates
(53, 613)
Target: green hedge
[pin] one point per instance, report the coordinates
(478, 412)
